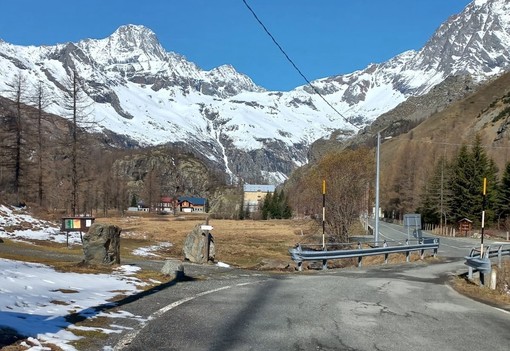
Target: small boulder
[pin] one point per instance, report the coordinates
(174, 268)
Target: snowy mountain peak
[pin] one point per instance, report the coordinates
(480, 2)
(136, 37)
(128, 43)
(224, 70)
(153, 96)
(475, 42)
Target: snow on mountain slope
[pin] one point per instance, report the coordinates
(140, 90)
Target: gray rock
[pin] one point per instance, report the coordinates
(194, 246)
(101, 244)
(273, 264)
(174, 268)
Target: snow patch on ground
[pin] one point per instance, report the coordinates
(37, 301)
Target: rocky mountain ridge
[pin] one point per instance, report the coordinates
(149, 96)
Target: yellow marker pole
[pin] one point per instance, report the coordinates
(484, 194)
(324, 214)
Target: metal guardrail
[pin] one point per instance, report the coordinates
(498, 250)
(299, 255)
(482, 263)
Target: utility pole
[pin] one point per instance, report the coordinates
(377, 172)
(376, 229)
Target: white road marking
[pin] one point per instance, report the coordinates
(128, 339)
(501, 310)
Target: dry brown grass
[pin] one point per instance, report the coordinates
(245, 244)
(500, 296)
(239, 243)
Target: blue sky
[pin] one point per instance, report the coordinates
(323, 37)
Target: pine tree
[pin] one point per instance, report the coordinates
(285, 210)
(266, 206)
(240, 214)
(434, 204)
(207, 207)
(134, 201)
(275, 209)
(502, 200)
(460, 182)
(468, 172)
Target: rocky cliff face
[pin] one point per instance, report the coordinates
(175, 172)
(148, 96)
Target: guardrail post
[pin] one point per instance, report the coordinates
(470, 273)
(300, 266)
(493, 281)
(360, 257)
(499, 255)
(385, 244)
(407, 252)
(482, 279)
(422, 254)
(324, 265)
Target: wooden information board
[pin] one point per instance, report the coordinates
(77, 224)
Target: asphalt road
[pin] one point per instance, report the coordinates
(393, 307)
(451, 247)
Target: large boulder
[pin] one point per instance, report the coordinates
(101, 244)
(194, 246)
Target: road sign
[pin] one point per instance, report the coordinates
(206, 227)
(412, 220)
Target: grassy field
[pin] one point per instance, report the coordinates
(246, 244)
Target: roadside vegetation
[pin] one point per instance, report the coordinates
(500, 296)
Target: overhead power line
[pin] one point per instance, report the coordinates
(296, 67)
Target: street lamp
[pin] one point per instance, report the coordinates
(377, 166)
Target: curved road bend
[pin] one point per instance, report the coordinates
(450, 247)
(393, 307)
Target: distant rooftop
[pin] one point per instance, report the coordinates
(255, 188)
(194, 200)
